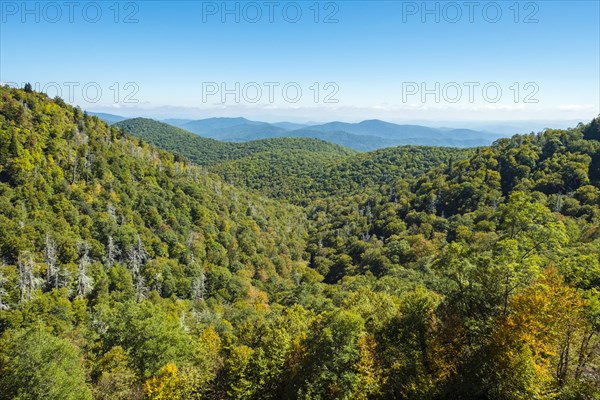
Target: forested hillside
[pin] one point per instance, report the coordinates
(116, 250)
(409, 273)
(292, 169)
(204, 151)
(300, 177)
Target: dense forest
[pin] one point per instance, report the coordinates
(292, 268)
(302, 176)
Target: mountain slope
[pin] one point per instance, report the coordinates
(205, 151)
(558, 170)
(412, 134)
(71, 179)
(233, 129)
(226, 128)
(108, 118)
(364, 136)
(510, 237)
(356, 142)
(299, 177)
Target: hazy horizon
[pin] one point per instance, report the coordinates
(505, 127)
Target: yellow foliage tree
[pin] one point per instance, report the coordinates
(166, 385)
(530, 341)
(370, 374)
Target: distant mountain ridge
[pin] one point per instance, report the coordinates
(207, 151)
(108, 118)
(364, 136)
(367, 135)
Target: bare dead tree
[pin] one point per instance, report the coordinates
(141, 290)
(138, 255)
(28, 282)
(112, 253)
(50, 254)
(84, 282)
(199, 286)
(3, 293)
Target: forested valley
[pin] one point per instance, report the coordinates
(139, 261)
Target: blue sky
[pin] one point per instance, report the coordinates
(394, 60)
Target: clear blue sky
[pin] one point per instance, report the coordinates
(377, 57)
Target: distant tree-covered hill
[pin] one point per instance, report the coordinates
(108, 118)
(300, 177)
(206, 151)
(364, 136)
